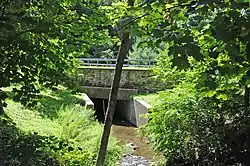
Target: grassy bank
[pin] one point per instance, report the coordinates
(57, 131)
(151, 99)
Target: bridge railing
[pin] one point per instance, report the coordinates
(111, 62)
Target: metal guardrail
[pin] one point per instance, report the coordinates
(111, 62)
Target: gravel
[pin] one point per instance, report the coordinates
(131, 160)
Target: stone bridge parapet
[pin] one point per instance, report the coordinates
(132, 78)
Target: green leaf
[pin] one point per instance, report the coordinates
(180, 61)
(222, 97)
(210, 93)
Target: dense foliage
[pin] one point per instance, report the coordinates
(142, 53)
(57, 131)
(192, 130)
(215, 34)
(204, 119)
(39, 41)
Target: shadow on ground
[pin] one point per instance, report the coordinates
(50, 102)
(17, 148)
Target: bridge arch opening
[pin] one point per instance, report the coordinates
(123, 111)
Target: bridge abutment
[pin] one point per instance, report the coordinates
(103, 92)
(131, 110)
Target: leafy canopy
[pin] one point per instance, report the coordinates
(39, 41)
(211, 38)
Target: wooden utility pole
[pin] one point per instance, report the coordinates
(123, 51)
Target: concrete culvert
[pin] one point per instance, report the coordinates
(122, 111)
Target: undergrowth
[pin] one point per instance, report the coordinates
(57, 131)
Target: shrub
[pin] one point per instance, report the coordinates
(190, 129)
(79, 127)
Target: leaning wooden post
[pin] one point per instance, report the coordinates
(123, 50)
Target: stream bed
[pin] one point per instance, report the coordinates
(131, 160)
(142, 154)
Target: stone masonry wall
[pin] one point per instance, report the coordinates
(132, 78)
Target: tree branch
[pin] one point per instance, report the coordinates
(130, 22)
(4, 7)
(23, 32)
(3, 10)
(146, 14)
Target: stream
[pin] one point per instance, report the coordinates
(142, 152)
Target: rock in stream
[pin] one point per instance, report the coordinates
(131, 160)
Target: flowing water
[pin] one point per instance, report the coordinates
(143, 152)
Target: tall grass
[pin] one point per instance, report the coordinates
(59, 115)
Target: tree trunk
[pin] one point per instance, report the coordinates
(1, 110)
(123, 50)
(246, 95)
